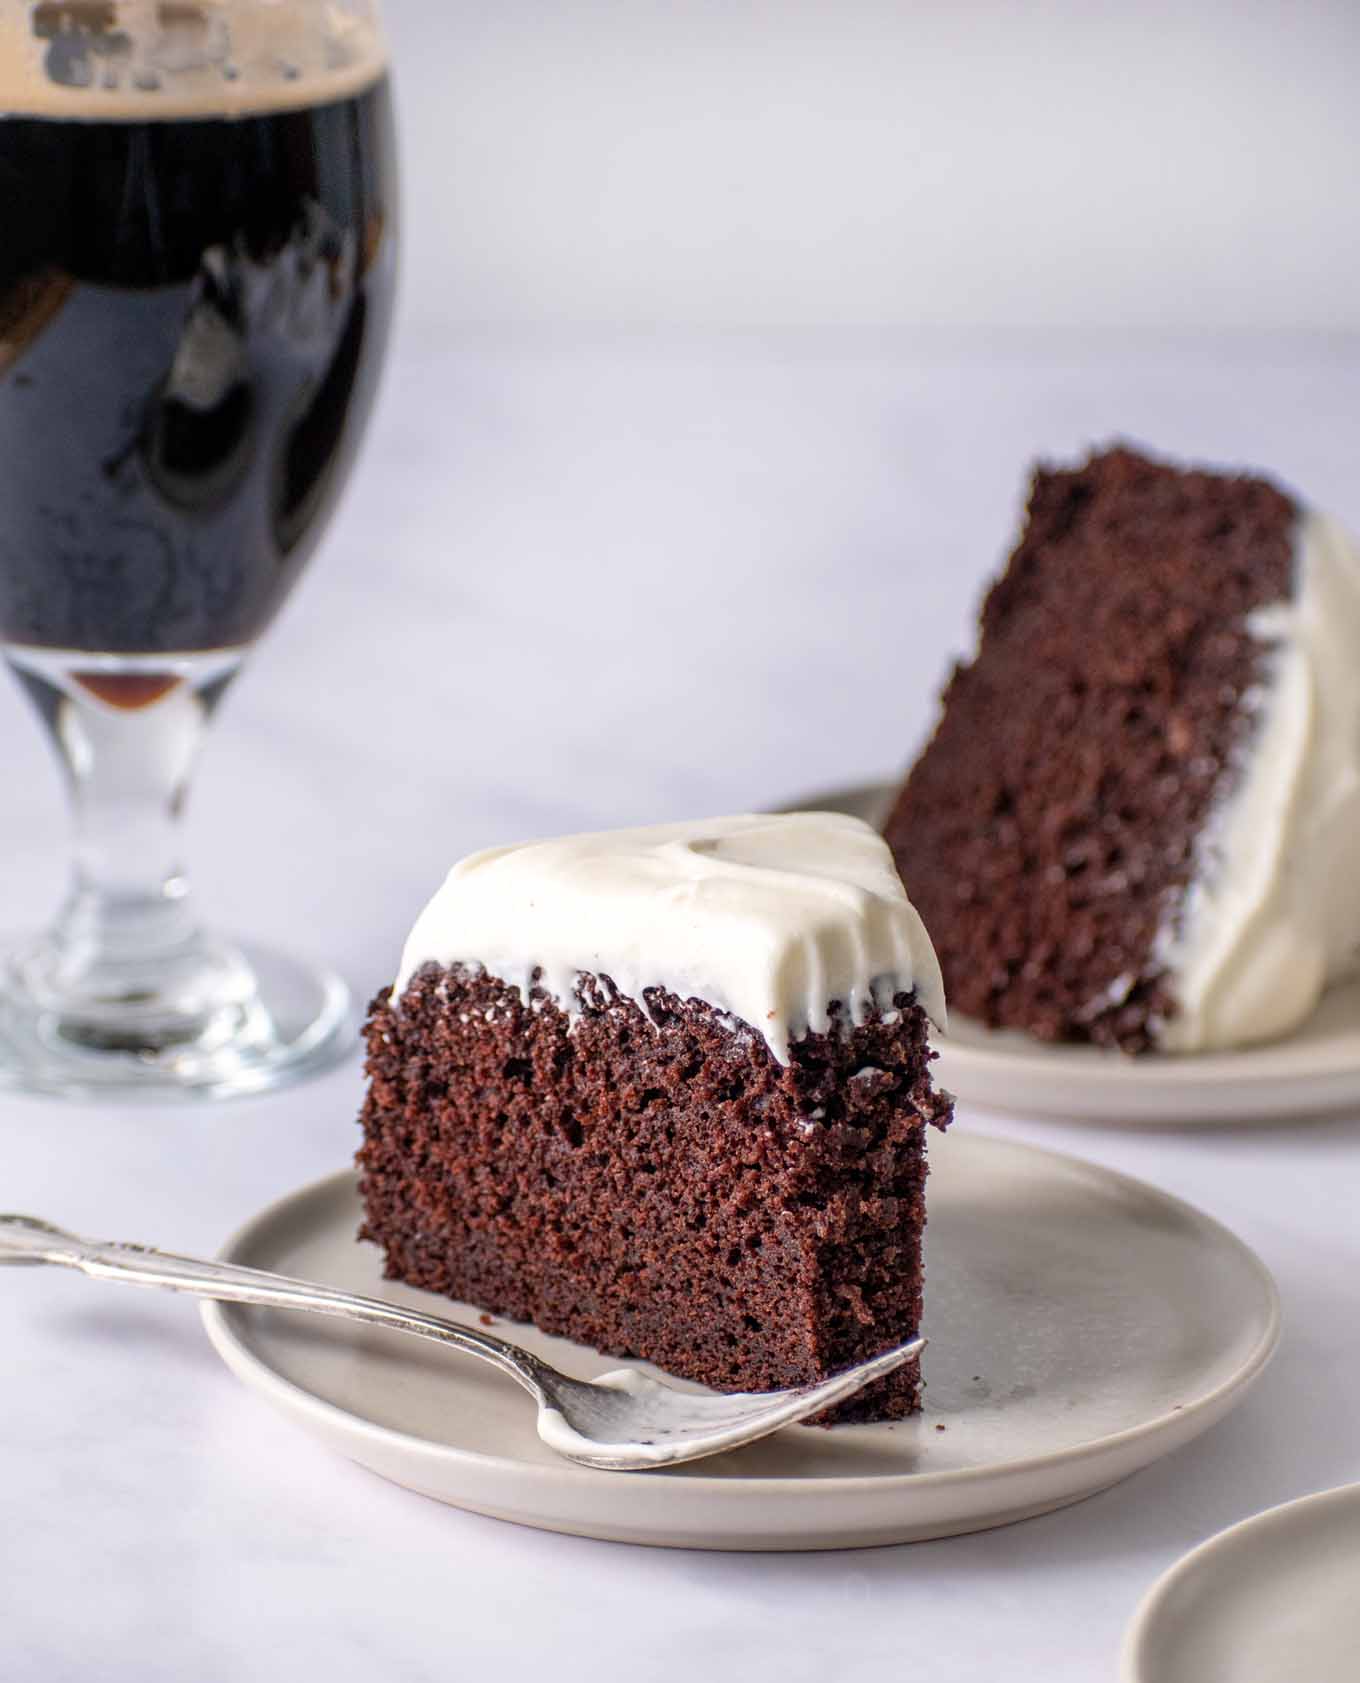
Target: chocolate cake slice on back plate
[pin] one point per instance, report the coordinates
(665, 1091)
(1138, 820)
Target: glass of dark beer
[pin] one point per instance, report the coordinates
(197, 227)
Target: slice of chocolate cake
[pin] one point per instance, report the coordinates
(665, 1091)
(1138, 820)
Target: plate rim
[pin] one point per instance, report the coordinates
(1206, 1410)
(1133, 1649)
(1222, 1069)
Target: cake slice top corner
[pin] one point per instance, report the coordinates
(770, 918)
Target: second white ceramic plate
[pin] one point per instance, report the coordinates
(1081, 1325)
(1314, 1071)
(1273, 1600)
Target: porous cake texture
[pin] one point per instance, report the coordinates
(1054, 827)
(641, 1172)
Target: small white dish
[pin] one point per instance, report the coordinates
(1312, 1072)
(1273, 1600)
(1082, 1325)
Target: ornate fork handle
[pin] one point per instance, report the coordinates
(26, 1240)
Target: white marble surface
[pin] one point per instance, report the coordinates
(586, 584)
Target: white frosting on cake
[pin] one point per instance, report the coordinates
(1273, 915)
(769, 919)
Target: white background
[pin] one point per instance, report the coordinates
(1170, 163)
(643, 546)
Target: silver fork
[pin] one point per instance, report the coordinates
(623, 1421)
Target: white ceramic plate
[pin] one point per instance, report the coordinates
(1273, 1600)
(1082, 1324)
(1311, 1072)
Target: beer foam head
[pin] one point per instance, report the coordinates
(139, 60)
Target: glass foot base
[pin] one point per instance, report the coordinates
(296, 1022)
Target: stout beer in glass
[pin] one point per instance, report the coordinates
(196, 268)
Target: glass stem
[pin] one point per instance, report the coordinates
(126, 963)
(128, 775)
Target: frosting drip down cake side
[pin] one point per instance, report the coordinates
(1135, 823)
(665, 1092)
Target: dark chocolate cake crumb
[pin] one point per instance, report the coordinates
(1049, 828)
(649, 1180)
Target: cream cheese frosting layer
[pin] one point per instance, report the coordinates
(768, 918)
(1273, 915)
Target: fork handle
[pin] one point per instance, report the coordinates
(24, 1239)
